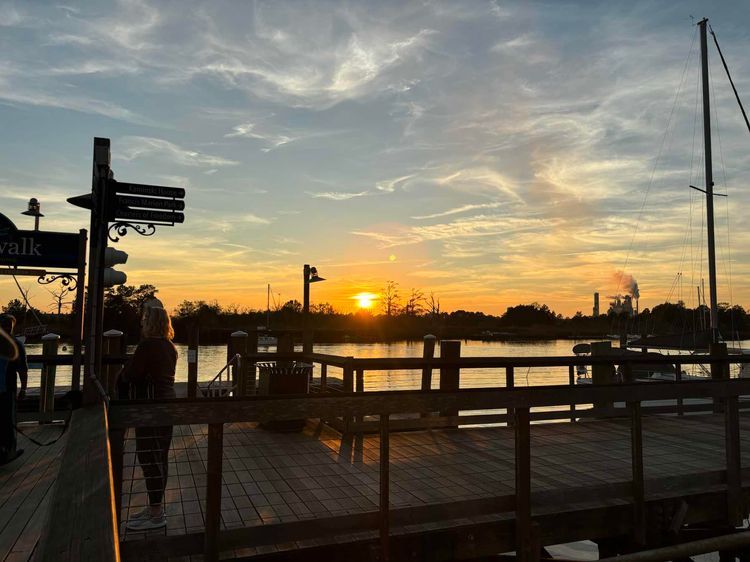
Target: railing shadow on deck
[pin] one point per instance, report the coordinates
(351, 406)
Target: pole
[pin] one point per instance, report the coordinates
(78, 313)
(306, 336)
(97, 245)
(709, 185)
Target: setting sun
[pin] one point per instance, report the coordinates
(365, 300)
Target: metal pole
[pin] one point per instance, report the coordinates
(306, 340)
(709, 185)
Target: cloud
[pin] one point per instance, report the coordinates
(461, 209)
(336, 195)
(251, 130)
(389, 186)
(134, 147)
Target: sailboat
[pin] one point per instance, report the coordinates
(266, 340)
(707, 340)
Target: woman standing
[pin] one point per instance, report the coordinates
(150, 374)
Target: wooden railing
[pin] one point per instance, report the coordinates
(218, 412)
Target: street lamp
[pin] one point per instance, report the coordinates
(34, 211)
(309, 275)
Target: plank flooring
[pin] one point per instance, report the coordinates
(281, 477)
(25, 490)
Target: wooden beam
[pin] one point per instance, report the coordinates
(523, 485)
(384, 488)
(636, 457)
(81, 520)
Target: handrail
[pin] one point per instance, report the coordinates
(236, 358)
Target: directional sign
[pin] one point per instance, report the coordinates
(148, 190)
(36, 248)
(125, 201)
(83, 201)
(149, 216)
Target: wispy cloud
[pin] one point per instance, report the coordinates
(336, 195)
(461, 209)
(132, 148)
(389, 186)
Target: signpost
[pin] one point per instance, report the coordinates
(36, 248)
(116, 207)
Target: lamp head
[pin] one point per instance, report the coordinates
(314, 277)
(33, 209)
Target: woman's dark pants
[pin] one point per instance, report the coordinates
(152, 446)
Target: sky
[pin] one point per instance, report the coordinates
(490, 153)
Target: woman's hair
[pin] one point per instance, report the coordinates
(156, 324)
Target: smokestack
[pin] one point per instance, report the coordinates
(596, 304)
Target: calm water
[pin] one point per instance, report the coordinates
(213, 357)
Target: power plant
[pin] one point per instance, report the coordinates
(596, 305)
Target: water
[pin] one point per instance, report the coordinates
(213, 357)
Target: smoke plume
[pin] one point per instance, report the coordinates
(627, 282)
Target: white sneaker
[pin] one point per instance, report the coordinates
(146, 522)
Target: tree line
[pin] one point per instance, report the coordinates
(408, 317)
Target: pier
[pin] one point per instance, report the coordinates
(401, 475)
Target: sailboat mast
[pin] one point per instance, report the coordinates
(268, 307)
(709, 184)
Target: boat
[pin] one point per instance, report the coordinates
(696, 342)
(267, 340)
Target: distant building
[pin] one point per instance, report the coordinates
(620, 304)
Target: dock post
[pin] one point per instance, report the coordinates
(285, 344)
(192, 360)
(113, 347)
(735, 509)
(450, 350)
(50, 343)
(572, 383)
(359, 381)
(678, 378)
(238, 344)
(601, 374)
(510, 382)
(251, 372)
(348, 387)
(636, 455)
(428, 353)
(384, 487)
(719, 369)
(524, 543)
(213, 491)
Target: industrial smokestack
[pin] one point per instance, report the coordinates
(628, 283)
(596, 304)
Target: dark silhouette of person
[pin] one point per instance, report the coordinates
(10, 368)
(150, 374)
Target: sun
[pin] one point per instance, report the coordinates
(365, 300)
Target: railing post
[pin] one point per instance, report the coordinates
(510, 382)
(384, 487)
(636, 453)
(450, 376)
(719, 369)
(428, 353)
(113, 347)
(678, 378)
(192, 359)
(323, 377)
(348, 382)
(733, 459)
(213, 491)
(360, 383)
(572, 383)
(238, 344)
(248, 367)
(524, 543)
(601, 374)
(50, 343)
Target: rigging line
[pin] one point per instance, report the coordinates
(726, 69)
(728, 257)
(658, 158)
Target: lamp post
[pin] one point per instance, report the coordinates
(33, 210)
(309, 275)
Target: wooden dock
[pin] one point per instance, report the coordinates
(391, 476)
(275, 478)
(26, 487)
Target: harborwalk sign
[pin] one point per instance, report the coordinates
(37, 248)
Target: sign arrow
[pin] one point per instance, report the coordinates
(125, 201)
(149, 216)
(147, 190)
(83, 201)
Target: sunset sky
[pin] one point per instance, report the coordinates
(494, 153)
